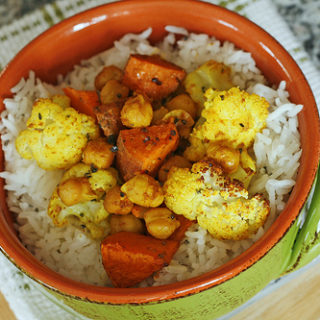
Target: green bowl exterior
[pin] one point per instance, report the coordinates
(307, 244)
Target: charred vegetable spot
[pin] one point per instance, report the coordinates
(184, 122)
(166, 170)
(114, 149)
(87, 175)
(240, 150)
(165, 264)
(93, 168)
(146, 139)
(36, 209)
(68, 116)
(82, 226)
(146, 171)
(173, 132)
(40, 116)
(222, 97)
(210, 164)
(122, 194)
(88, 136)
(159, 159)
(156, 81)
(161, 255)
(144, 130)
(81, 214)
(164, 243)
(203, 89)
(112, 139)
(157, 139)
(172, 217)
(198, 191)
(6, 143)
(241, 125)
(119, 95)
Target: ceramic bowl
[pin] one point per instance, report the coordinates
(216, 292)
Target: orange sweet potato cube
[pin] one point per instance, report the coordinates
(143, 150)
(152, 76)
(129, 258)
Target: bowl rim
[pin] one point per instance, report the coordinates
(54, 281)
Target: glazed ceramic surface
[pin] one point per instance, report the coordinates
(219, 291)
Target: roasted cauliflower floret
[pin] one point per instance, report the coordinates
(56, 134)
(232, 118)
(220, 205)
(86, 210)
(211, 74)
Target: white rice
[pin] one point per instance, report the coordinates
(69, 251)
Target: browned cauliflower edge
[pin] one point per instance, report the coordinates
(56, 134)
(219, 204)
(89, 215)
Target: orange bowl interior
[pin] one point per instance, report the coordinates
(86, 34)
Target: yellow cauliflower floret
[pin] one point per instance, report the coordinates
(89, 216)
(211, 74)
(233, 117)
(220, 205)
(56, 134)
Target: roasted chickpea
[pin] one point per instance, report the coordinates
(137, 112)
(174, 161)
(75, 190)
(144, 191)
(113, 91)
(139, 211)
(98, 153)
(117, 202)
(127, 223)
(106, 74)
(228, 158)
(159, 114)
(161, 222)
(183, 102)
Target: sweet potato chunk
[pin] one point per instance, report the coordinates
(129, 258)
(143, 150)
(83, 101)
(108, 117)
(152, 76)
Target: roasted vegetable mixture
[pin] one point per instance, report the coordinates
(151, 152)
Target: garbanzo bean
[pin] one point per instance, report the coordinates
(137, 112)
(75, 190)
(113, 91)
(161, 222)
(106, 74)
(117, 202)
(174, 161)
(139, 211)
(98, 153)
(127, 223)
(144, 191)
(228, 158)
(183, 102)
